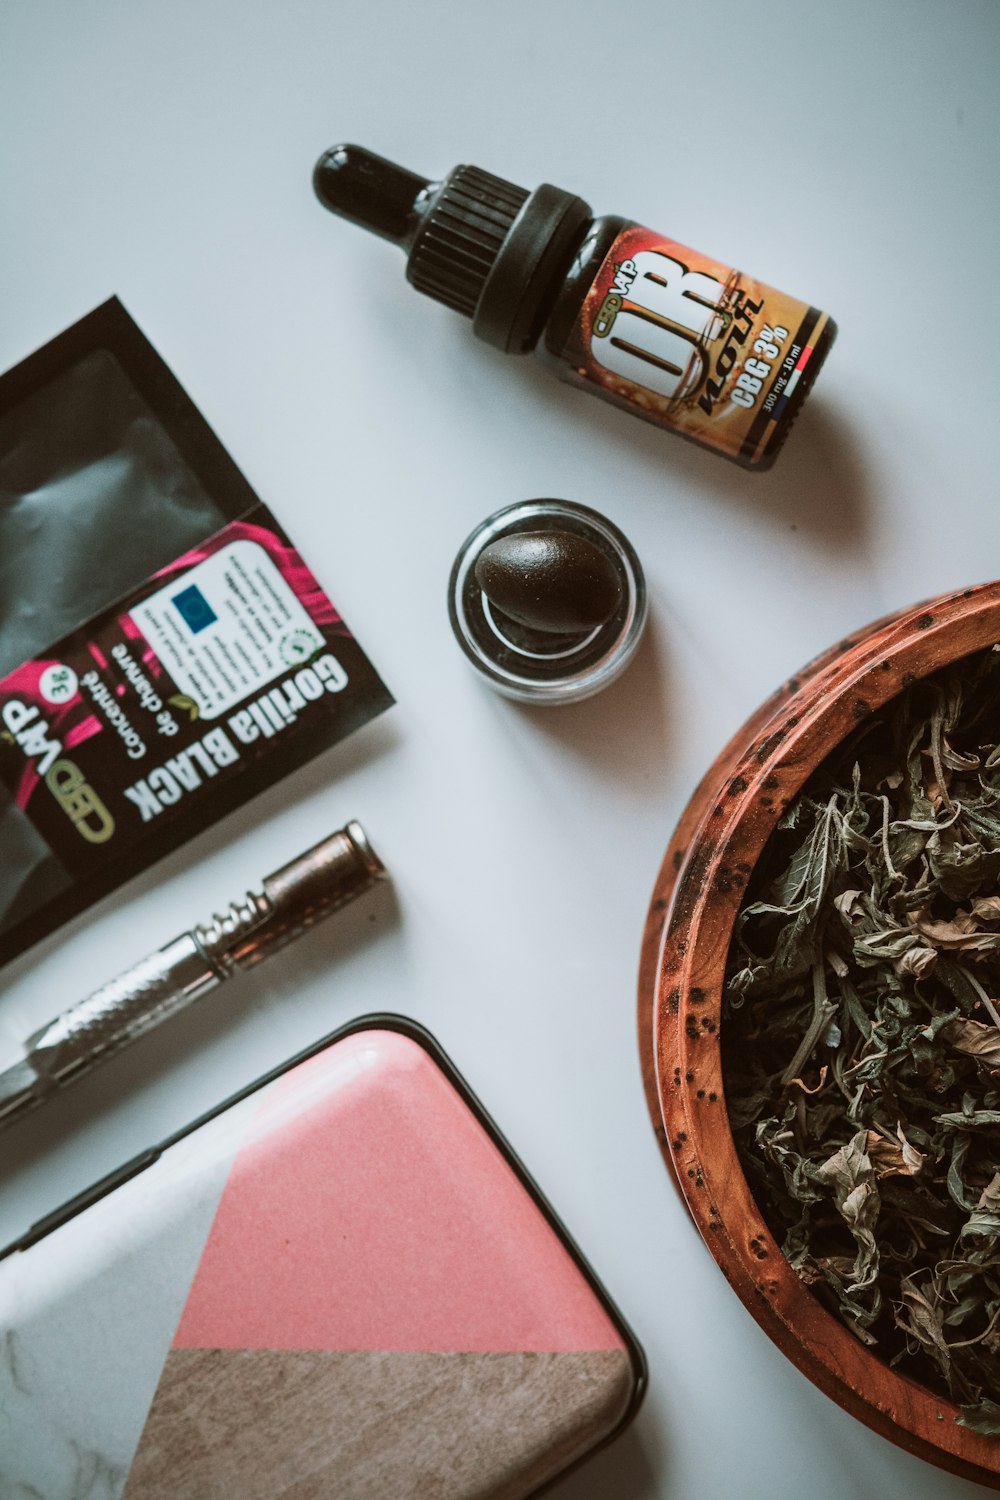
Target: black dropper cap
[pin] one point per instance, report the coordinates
(477, 243)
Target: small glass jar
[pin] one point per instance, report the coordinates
(535, 666)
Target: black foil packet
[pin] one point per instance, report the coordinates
(165, 653)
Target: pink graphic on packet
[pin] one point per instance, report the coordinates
(286, 559)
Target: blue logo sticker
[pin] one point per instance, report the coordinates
(194, 609)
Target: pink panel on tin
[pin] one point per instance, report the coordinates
(381, 1216)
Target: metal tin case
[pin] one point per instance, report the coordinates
(341, 1282)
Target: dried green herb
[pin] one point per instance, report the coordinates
(861, 1036)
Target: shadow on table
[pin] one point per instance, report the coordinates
(622, 731)
(819, 484)
(624, 1471)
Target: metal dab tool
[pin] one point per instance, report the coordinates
(294, 898)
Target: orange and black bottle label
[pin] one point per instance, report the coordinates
(697, 346)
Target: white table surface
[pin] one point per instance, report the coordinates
(845, 153)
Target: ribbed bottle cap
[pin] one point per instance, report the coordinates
(461, 236)
(481, 245)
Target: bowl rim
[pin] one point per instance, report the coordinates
(695, 901)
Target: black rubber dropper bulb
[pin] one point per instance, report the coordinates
(370, 191)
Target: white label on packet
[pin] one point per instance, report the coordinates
(227, 627)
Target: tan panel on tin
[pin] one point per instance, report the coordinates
(402, 1425)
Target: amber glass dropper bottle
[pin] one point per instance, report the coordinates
(661, 330)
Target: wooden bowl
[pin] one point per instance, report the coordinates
(695, 903)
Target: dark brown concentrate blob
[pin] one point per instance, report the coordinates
(549, 580)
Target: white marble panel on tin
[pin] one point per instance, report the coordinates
(88, 1316)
